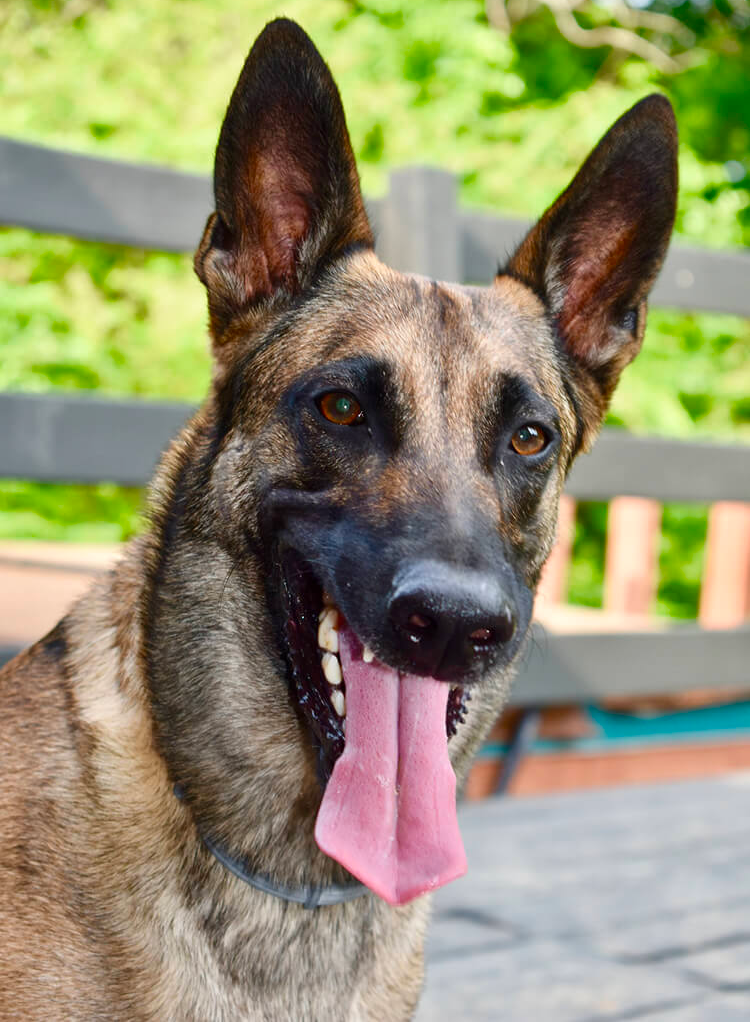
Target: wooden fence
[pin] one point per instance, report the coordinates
(420, 228)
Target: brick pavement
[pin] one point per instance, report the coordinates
(617, 904)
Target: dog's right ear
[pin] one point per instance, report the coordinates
(285, 182)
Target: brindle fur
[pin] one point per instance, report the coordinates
(171, 668)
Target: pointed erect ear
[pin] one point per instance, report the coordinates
(595, 253)
(285, 182)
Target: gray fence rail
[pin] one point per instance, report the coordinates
(420, 228)
(70, 439)
(588, 668)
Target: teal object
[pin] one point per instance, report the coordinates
(615, 730)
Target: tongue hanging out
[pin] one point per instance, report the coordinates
(389, 810)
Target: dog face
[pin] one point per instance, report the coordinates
(390, 450)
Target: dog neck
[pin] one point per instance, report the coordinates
(308, 896)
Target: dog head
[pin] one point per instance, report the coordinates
(388, 448)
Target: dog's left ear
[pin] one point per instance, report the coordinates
(285, 181)
(595, 253)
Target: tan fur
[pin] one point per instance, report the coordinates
(172, 670)
(107, 898)
(93, 915)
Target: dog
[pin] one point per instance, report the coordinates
(228, 774)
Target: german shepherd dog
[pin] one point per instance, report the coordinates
(229, 773)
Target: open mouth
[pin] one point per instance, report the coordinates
(313, 627)
(388, 812)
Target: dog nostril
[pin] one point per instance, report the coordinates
(482, 636)
(419, 627)
(420, 622)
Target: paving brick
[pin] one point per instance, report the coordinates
(546, 980)
(725, 966)
(723, 1008)
(626, 904)
(462, 932)
(673, 936)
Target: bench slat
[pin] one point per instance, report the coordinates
(663, 469)
(588, 668)
(67, 438)
(102, 200)
(145, 206)
(691, 278)
(58, 438)
(158, 208)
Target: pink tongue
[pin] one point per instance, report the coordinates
(389, 810)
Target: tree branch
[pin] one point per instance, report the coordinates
(612, 35)
(497, 15)
(633, 18)
(624, 37)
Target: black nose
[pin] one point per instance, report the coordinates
(449, 623)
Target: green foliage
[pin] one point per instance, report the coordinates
(429, 81)
(98, 514)
(84, 316)
(586, 577)
(691, 378)
(683, 539)
(548, 65)
(683, 535)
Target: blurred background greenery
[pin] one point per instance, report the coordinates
(510, 96)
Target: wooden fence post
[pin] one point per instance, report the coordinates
(553, 586)
(420, 225)
(632, 559)
(725, 593)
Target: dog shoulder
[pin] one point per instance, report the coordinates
(36, 696)
(68, 717)
(40, 784)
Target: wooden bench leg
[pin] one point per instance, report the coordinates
(520, 743)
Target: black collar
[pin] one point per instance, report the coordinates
(310, 896)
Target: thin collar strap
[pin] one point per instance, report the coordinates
(309, 896)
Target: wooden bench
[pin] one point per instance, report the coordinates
(579, 655)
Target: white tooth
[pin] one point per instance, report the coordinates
(339, 702)
(332, 669)
(367, 655)
(328, 637)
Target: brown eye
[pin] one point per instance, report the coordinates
(341, 408)
(528, 440)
